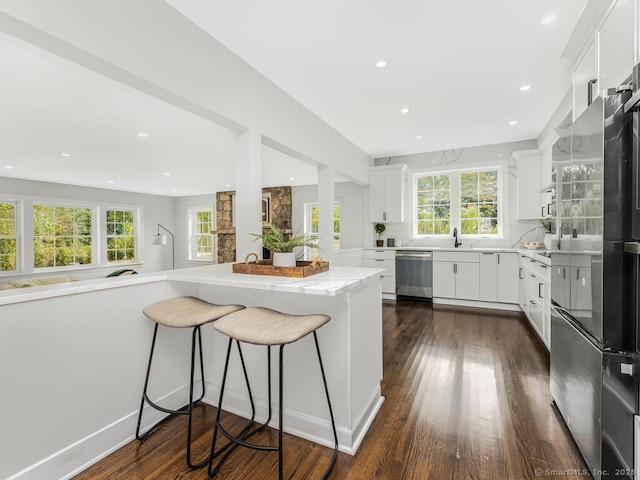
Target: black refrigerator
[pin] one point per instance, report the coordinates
(592, 325)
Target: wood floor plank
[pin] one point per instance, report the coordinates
(467, 398)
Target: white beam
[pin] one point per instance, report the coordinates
(248, 205)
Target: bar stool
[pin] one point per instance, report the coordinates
(262, 326)
(184, 312)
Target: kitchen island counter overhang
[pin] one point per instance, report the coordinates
(74, 357)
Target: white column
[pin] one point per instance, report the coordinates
(248, 205)
(325, 211)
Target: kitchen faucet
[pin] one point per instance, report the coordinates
(455, 235)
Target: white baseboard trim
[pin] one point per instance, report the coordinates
(314, 429)
(80, 455)
(512, 307)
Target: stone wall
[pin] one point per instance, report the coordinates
(277, 201)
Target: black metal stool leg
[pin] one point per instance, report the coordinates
(196, 332)
(333, 422)
(281, 410)
(146, 383)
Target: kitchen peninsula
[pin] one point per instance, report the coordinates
(80, 367)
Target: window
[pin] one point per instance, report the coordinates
(468, 200)
(62, 236)
(121, 238)
(433, 204)
(8, 237)
(311, 222)
(200, 237)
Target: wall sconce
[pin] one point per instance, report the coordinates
(158, 239)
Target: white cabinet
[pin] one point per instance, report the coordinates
(499, 277)
(386, 194)
(380, 258)
(535, 283)
(585, 83)
(456, 275)
(531, 177)
(616, 45)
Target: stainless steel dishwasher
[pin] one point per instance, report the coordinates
(414, 274)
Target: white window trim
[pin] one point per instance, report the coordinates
(455, 220)
(24, 233)
(307, 220)
(191, 212)
(18, 207)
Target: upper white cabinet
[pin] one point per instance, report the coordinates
(386, 194)
(531, 204)
(616, 45)
(585, 80)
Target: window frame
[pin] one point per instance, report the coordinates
(308, 227)
(104, 248)
(455, 220)
(18, 236)
(72, 266)
(192, 213)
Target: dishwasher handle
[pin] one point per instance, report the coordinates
(415, 256)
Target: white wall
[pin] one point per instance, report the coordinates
(155, 209)
(489, 155)
(352, 214)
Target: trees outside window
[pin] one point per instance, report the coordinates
(311, 223)
(200, 238)
(62, 235)
(468, 200)
(121, 236)
(8, 237)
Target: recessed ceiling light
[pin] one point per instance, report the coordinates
(291, 178)
(513, 122)
(418, 137)
(548, 19)
(9, 167)
(110, 181)
(381, 64)
(63, 154)
(228, 185)
(524, 88)
(143, 134)
(175, 190)
(405, 110)
(167, 174)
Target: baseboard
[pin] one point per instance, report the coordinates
(512, 307)
(80, 455)
(314, 429)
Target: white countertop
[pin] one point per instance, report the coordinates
(537, 255)
(336, 281)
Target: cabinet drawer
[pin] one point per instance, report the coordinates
(473, 257)
(379, 253)
(536, 315)
(389, 265)
(537, 268)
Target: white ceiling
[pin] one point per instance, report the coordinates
(457, 65)
(52, 106)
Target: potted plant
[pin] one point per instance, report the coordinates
(379, 228)
(281, 248)
(547, 227)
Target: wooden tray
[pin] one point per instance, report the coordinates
(265, 267)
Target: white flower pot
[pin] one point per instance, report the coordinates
(287, 259)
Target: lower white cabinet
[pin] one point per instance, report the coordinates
(499, 277)
(456, 275)
(381, 258)
(535, 298)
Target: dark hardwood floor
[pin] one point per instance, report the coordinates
(467, 397)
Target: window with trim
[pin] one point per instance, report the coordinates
(311, 223)
(62, 235)
(121, 235)
(468, 200)
(8, 236)
(200, 237)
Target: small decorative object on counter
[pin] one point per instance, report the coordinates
(379, 228)
(266, 267)
(280, 246)
(547, 226)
